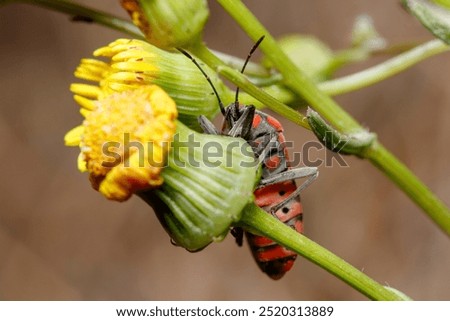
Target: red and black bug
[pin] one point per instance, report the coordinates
(277, 192)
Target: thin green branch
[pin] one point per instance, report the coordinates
(87, 13)
(202, 52)
(293, 77)
(258, 220)
(365, 145)
(252, 68)
(280, 93)
(335, 115)
(384, 70)
(410, 184)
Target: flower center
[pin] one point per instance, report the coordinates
(126, 139)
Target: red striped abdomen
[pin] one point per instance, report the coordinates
(273, 259)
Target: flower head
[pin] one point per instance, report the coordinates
(198, 184)
(131, 143)
(121, 133)
(133, 63)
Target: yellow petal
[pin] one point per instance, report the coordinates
(104, 51)
(135, 66)
(73, 137)
(92, 70)
(123, 76)
(84, 102)
(119, 87)
(123, 180)
(85, 112)
(81, 163)
(135, 54)
(88, 91)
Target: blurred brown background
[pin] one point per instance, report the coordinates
(59, 239)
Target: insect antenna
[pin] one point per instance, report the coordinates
(184, 52)
(255, 46)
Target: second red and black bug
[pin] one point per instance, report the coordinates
(277, 192)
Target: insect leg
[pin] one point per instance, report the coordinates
(266, 151)
(207, 126)
(310, 172)
(238, 234)
(243, 125)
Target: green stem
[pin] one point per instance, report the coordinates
(410, 184)
(278, 92)
(202, 52)
(444, 3)
(335, 115)
(293, 77)
(252, 68)
(73, 9)
(384, 70)
(258, 220)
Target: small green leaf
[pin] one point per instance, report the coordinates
(435, 18)
(355, 143)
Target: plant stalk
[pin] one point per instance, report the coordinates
(384, 70)
(265, 224)
(293, 77)
(201, 51)
(380, 157)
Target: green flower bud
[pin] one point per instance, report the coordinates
(133, 63)
(309, 54)
(365, 36)
(208, 182)
(169, 23)
(355, 143)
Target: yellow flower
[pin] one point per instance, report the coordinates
(133, 63)
(130, 133)
(124, 139)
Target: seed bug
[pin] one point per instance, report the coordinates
(277, 192)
